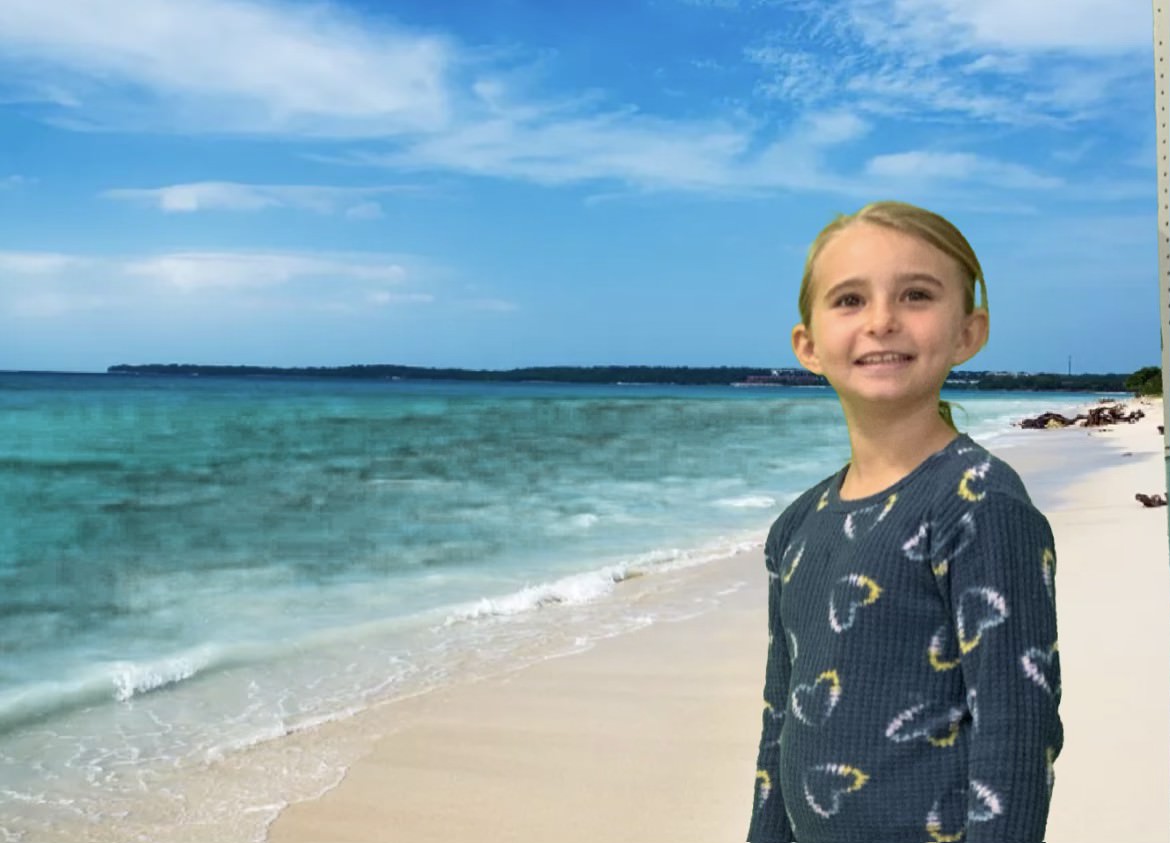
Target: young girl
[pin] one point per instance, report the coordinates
(912, 679)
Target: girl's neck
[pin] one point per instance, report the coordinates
(886, 449)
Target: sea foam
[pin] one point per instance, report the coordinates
(575, 589)
(131, 679)
(749, 502)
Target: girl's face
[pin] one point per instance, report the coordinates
(887, 322)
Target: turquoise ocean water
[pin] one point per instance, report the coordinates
(192, 569)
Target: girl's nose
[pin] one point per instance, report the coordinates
(882, 319)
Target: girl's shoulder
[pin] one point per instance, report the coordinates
(972, 486)
(795, 513)
(969, 473)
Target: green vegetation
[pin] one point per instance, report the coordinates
(1046, 382)
(693, 375)
(1145, 381)
(555, 374)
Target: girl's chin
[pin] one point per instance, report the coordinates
(888, 400)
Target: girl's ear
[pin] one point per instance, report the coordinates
(973, 336)
(805, 350)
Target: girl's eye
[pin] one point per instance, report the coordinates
(919, 295)
(847, 300)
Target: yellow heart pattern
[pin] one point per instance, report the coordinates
(763, 786)
(825, 784)
(948, 818)
(968, 490)
(790, 561)
(1048, 570)
(943, 653)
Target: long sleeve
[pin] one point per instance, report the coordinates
(769, 823)
(1001, 590)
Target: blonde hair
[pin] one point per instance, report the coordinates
(927, 226)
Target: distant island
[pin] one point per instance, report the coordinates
(684, 375)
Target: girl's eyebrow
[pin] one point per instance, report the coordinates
(919, 276)
(901, 278)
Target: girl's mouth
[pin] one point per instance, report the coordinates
(884, 358)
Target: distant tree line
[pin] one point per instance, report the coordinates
(1044, 382)
(688, 375)
(559, 374)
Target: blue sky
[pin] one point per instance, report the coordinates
(504, 183)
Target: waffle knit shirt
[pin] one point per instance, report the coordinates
(912, 679)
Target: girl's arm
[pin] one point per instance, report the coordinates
(1004, 611)
(769, 822)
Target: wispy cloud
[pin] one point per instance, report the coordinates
(495, 305)
(232, 270)
(385, 297)
(996, 61)
(34, 264)
(223, 66)
(958, 167)
(421, 102)
(546, 145)
(32, 281)
(14, 182)
(354, 202)
(1092, 26)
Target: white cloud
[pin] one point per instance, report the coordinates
(1082, 25)
(950, 26)
(364, 211)
(36, 263)
(921, 165)
(51, 304)
(385, 297)
(51, 284)
(235, 270)
(552, 145)
(224, 66)
(493, 305)
(354, 202)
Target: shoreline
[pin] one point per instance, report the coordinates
(603, 742)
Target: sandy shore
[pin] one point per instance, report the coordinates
(651, 736)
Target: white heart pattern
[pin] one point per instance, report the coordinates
(863, 520)
(980, 609)
(850, 592)
(1040, 665)
(948, 818)
(813, 703)
(935, 723)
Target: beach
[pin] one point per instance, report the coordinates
(651, 734)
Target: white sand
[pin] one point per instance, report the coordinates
(651, 736)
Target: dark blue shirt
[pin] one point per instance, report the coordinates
(913, 679)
